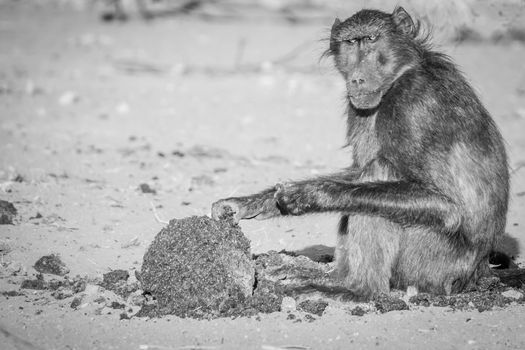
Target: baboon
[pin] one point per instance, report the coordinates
(425, 199)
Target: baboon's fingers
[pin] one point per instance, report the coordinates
(226, 208)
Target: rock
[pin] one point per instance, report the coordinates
(198, 267)
(51, 264)
(37, 284)
(288, 304)
(512, 294)
(113, 277)
(118, 282)
(76, 302)
(358, 311)
(315, 307)
(7, 213)
(145, 188)
(386, 303)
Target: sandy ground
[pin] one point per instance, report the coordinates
(89, 111)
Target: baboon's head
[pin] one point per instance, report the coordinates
(372, 49)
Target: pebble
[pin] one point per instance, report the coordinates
(513, 294)
(288, 304)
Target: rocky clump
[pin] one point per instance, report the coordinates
(51, 264)
(7, 213)
(118, 282)
(198, 267)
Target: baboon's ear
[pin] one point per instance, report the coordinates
(336, 24)
(333, 44)
(403, 21)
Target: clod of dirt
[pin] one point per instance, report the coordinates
(114, 277)
(51, 264)
(117, 282)
(7, 213)
(38, 283)
(145, 188)
(358, 311)
(387, 303)
(76, 302)
(198, 267)
(315, 307)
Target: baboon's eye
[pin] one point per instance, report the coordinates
(351, 41)
(371, 38)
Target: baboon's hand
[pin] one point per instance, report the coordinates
(225, 208)
(290, 199)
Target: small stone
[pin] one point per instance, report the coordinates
(512, 294)
(315, 307)
(288, 304)
(37, 284)
(386, 303)
(116, 305)
(198, 267)
(309, 318)
(114, 277)
(358, 311)
(12, 293)
(51, 264)
(76, 302)
(145, 188)
(7, 213)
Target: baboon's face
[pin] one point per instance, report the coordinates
(367, 50)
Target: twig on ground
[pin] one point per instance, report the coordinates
(159, 220)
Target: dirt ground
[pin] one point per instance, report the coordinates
(196, 110)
